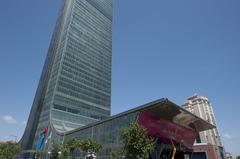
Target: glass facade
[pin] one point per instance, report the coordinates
(108, 133)
(75, 86)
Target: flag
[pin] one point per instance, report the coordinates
(44, 131)
(40, 143)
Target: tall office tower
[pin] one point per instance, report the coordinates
(201, 107)
(75, 86)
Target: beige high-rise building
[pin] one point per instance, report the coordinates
(201, 107)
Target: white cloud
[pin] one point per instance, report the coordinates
(8, 119)
(227, 136)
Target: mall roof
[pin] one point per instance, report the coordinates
(165, 109)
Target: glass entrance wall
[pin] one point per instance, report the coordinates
(108, 133)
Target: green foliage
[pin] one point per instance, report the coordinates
(61, 151)
(138, 145)
(8, 150)
(238, 157)
(55, 151)
(90, 145)
(39, 154)
(69, 147)
(114, 154)
(65, 151)
(72, 144)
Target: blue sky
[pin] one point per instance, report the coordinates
(161, 49)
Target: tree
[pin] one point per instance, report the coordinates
(68, 148)
(114, 154)
(72, 144)
(137, 143)
(9, 149)
(238, 157)
(65, 151)
(91, 147)
(56, 151)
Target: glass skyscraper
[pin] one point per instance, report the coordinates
(75, 86)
